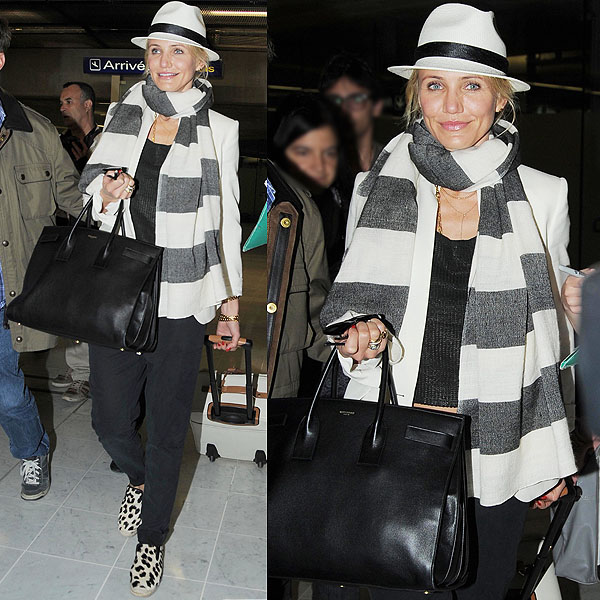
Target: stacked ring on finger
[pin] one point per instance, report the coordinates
(129, 189)
(374, 344)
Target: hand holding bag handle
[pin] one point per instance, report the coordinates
(374, 438)
(328, 452)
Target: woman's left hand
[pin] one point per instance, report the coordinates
(551, 496)
(229, 328)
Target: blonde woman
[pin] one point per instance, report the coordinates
(181, 192)
(458, 244)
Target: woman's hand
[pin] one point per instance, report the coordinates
(551, 496)
(571, 297)
(116, 189)
(229, 328)
(360, 336)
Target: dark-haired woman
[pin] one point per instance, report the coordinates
(310, 145)
(308, 153)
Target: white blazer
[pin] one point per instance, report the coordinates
(225, 132)
(547, 196)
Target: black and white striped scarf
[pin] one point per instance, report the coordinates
(188, 205)
(508, 378)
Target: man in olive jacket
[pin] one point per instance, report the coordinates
(36, 176)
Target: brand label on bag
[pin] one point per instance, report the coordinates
(347, 413)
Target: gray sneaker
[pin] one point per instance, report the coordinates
(78, 391)
(62, 380)
(35, 477)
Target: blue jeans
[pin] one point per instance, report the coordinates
(19, 415)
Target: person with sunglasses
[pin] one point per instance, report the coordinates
(348, 82)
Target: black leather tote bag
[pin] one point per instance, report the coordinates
(365, 493)
(93, 286)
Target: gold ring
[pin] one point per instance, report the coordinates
(374, 344)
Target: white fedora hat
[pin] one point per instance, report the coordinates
(461, 38)
(178, 22)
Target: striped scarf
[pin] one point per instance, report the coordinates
(508, 378)
(188, 204)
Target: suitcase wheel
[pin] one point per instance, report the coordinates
(211, 452)
(260, 458)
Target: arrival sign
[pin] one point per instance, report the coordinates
(112, 65)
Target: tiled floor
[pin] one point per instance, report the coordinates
(67, 545)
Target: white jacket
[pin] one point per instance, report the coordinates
(226, 140)
(547, 196)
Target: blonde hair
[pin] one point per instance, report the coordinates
(199, 54)
(501, 88)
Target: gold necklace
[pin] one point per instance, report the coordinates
(153, 129)
(438, 220)
(457, 195)
(438, 197)
(460, 212)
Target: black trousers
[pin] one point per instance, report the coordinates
(167, 377)
(495, 535)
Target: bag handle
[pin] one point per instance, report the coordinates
(66, 248)
(104, 254)
(374, 438)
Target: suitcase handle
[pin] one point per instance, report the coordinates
(564, 504)
(215, 339)
(209, 340)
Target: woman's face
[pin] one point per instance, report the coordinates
(172, 65)
(315, 154)
(458, 108)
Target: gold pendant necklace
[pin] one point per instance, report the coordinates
(438, 220)
(460, 212)
(463, 215)
(153, 129)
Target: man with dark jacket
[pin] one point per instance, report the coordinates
(36, 176)
(77, 104)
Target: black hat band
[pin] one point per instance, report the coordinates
(463, 51)
(181, 31)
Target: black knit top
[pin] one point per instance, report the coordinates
(143, 203)
(437, 382)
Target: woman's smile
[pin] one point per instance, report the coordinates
(458, 108)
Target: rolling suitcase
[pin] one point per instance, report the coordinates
(233, 423)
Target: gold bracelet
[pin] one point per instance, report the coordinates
(228, 318)
(230, 298)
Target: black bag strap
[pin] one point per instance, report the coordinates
(374, 438)
(66, 248)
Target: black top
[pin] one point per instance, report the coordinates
(334, 214)
(68, 140)
(143, 202)
(437, 382)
